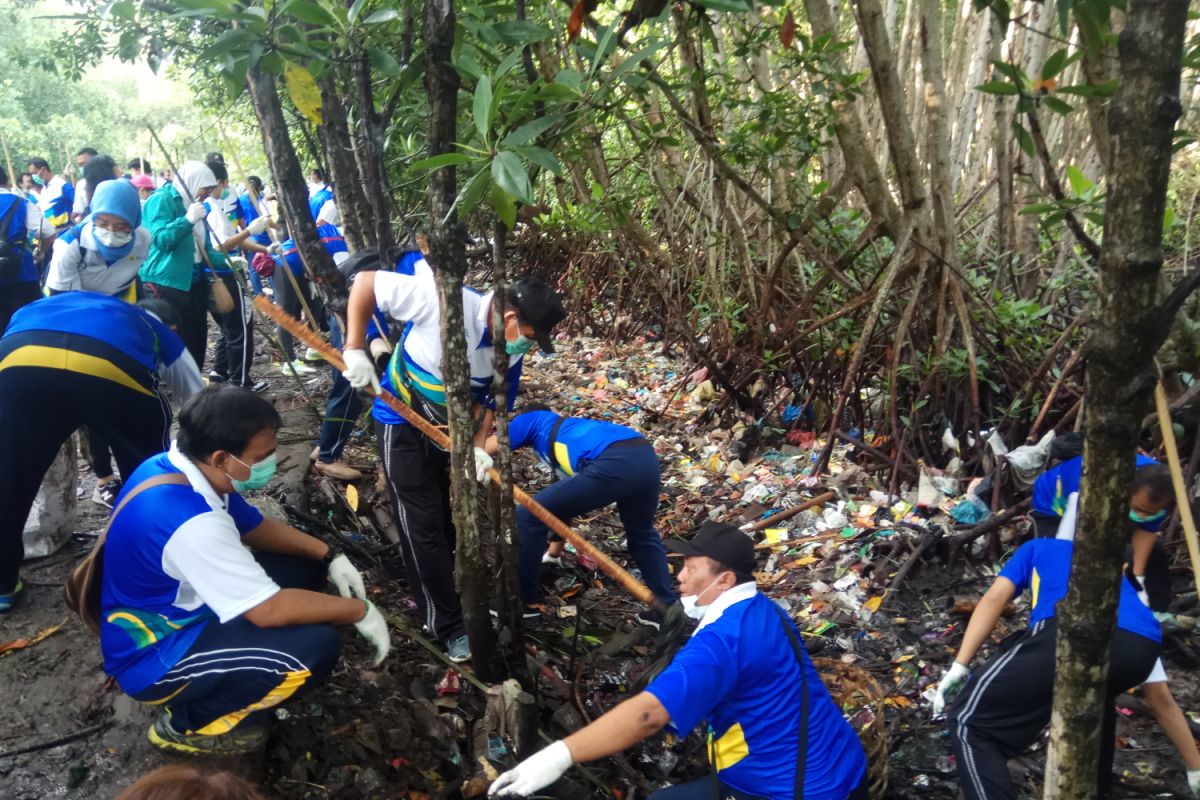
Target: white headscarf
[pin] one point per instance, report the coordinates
(191, 178)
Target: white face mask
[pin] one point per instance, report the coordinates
(690, 605)
(111, 238)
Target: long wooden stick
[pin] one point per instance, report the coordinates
(330, 354)
(8, 160)
(790, 512)
(1182, 500)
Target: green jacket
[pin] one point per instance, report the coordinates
(172, 258)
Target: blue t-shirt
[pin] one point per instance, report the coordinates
(578, 439)
(741, 674)
(331, 237)
(112, 321)
(17, 232)
(1043, 566)
(149, 616)
(248, 213)
(318, 200)
(1055, 485)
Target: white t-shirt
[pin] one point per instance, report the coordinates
(76, 264)
(329, 214)
(34, 219)
(79, 208)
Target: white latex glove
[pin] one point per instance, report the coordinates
(536, 772)
(346, 579)
(360, 370)
(951, 684)
(275, 249)
(483, 462)
(374, 629)
(379, 347)
(258, 225)
(196, 212)
(1140, 582)
(1194, 781)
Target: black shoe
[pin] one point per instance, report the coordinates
(651, 617)
(258, 386)
(106, 493)
(216, 377)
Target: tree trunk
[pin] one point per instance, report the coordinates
(375, 177)
(357, 221)
(1130, 327)
(448, 258)
(289, 179)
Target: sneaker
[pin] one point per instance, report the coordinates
(313, 354)
(106, 493)
(650, 617)
(458, 649)
(9, 599)
(338, 470)
(258, 386)
(241, 740)
(298, 365)
(529, 614)
(216, 377)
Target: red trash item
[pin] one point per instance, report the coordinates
(449, 684)
(263, 264)
(802, 439)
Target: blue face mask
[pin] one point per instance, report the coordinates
(260, 473)
(520, 347)
(1138, 519)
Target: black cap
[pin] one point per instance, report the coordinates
(723, 543)
(540, 306)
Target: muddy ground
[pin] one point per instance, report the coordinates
(397, 732)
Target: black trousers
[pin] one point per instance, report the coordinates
(236, 672)
(99, 454)
(1006, 706)
(234, 352)
(287, 299)
(192, 308)
(42, 406)
(15, 295)
(418, 476)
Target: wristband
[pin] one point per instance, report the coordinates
(330, 556)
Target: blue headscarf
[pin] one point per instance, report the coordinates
(119, 198)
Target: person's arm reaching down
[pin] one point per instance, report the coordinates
(979, 628)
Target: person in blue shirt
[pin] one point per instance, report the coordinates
(599, 463)
(773, 731)
(1006, 704)
(21, 222)
(79, 359)
(209, 610)
(1153, 495)
(286, 296)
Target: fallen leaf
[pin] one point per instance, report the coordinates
(352, 496)
(787, 31)
(575, 23)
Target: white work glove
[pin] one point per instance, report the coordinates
(536, 772)
(275, 249)
(951, 684)
(374, 629)
(360, 370)
(346, 579)
(1194, 781)
(483, 462)
(1140, 582)
(237, 262)
(258, 225)
(379, 347)
(196, 212)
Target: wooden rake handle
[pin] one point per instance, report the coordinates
(611, 568)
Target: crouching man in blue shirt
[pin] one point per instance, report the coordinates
(773, 731)
(209, 610)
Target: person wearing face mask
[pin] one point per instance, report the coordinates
(81, 359)
(217, 614)
(1151, 502)
(21, 221)
(56, 197)
(598, 463)
(773, 731)
(175, 268)
(417, 471)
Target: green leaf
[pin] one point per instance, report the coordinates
(355, 9)
(509, 173)
(730, 6)
(542, 157)
(1079, 182)
(1012, 71)
(474, 190)
(1024, 140)
(483, 106)
(382, 16)
(310, 12)
(519, 31)
(1055, 63)
(531, 130)
(504, 206)
(384, 62)
(439, 161)
(998, 87)
(1037, 208)
(1080, 90)
(1057, 106)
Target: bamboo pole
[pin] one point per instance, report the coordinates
(12, 176)
(1182, 500)
(330, 354)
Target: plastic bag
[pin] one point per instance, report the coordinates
(51, 521)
